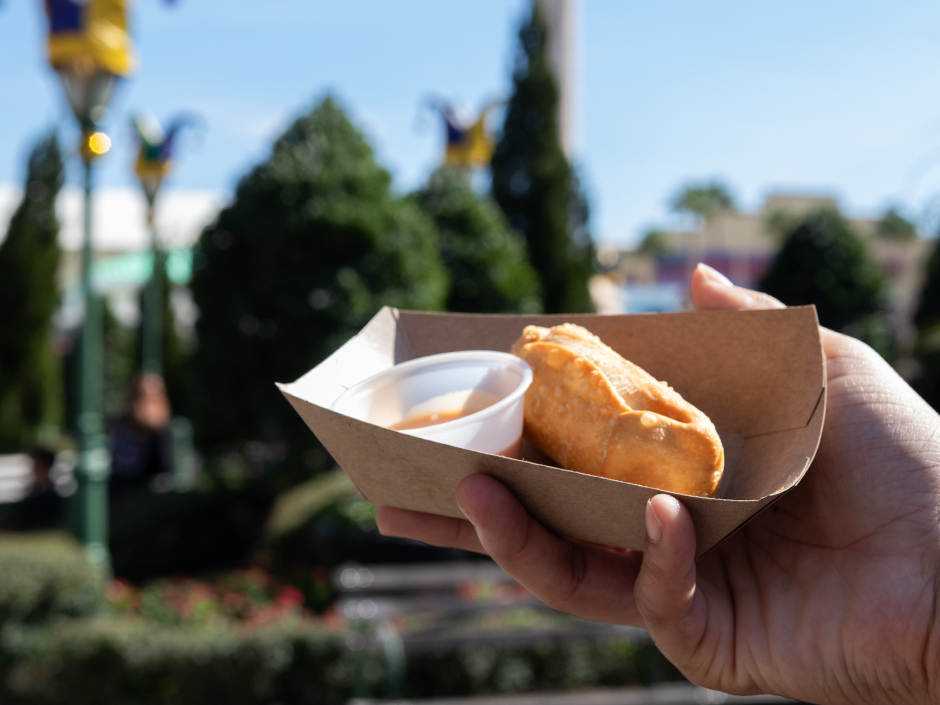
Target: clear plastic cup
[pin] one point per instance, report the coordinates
(445, 384)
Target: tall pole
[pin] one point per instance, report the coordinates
(152, 333)
(153, 164)
(92, 494)
(562, 17)
(90, 49)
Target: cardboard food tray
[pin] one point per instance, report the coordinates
(759, 375)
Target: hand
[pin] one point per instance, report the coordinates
(829, 596)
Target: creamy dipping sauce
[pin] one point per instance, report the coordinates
(431, 419)
(450, 407)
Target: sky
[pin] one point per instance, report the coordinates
(774, 96)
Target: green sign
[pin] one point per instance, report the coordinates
(135, 268)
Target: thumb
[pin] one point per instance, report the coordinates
(673, 609)
(713, 291)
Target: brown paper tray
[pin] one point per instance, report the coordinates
(759, 375)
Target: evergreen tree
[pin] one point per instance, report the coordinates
(534, 184)
(927, 321)
(487, 262)
(824, 262)
(312, 246)
(30, 372)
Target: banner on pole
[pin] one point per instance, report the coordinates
(90, 35)
(468, 145)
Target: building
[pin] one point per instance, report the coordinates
(742, 246)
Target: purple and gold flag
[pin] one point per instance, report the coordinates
(91, 34)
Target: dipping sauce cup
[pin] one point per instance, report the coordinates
(471, 399)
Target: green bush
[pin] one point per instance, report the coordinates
(487, 261)
(118, 661)
(160, 534)
(314, 242)
(58, 646)
(549, 666)
(823, 261)
(44, 576)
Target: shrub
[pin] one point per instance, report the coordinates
(313, 244)
(44, 576)
(159, 534)
(199, 646)
(824, 262)
(120, 660)
(487, 261)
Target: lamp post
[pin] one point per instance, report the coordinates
(150, 170)
(89, 48)
(88, 90)
(153, 164)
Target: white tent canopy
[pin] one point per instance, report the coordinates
(120, 216)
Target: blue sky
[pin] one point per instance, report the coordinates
(838, 97)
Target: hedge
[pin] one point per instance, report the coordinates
(43, 576)
(59, 645)
(123, 661)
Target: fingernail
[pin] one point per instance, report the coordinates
(713, 275)
(654, 527)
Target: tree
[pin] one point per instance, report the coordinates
(534, 184)
(824, 262)
(780, 223)
(31, 400)
(487, 262)
(312, 246)
(927, 321)
(894, 226)
(703, 200)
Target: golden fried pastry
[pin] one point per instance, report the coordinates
(596, 413)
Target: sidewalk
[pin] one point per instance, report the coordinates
(667, 694)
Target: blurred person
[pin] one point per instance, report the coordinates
(831, 595)
(141, 440)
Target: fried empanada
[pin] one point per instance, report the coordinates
(594, 412)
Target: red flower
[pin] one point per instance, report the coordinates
(289, 597)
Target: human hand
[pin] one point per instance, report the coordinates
(829, 596)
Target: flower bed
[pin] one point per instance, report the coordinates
(248, 598)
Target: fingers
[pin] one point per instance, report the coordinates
(428, 528)
(666, 595)
(712, 291)
(587, 581)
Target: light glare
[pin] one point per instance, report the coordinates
(99, 143)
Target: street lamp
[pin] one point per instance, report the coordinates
(88, 96)
(153, 164)
(90, 50)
